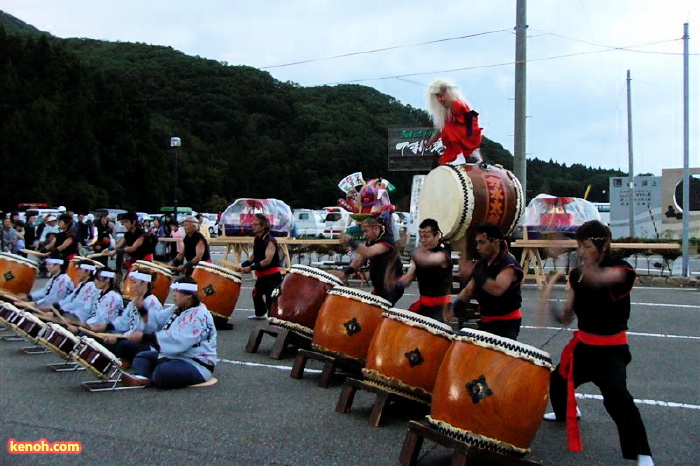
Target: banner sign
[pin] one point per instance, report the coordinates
(408, 149)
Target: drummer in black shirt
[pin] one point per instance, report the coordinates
(65, 243)
(135, 242)
(196, 248)
(384, 262)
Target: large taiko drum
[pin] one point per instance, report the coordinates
(73, 267)
(302, 293)
(17, 273)
(162, 279)
(460, 197)
(405, 354)
(58, 340)
(97, 359)
(218, 288)
(29, 326)
(10, 315)
(347, 321)
(491, 392)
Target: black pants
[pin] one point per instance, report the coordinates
(262, 293)
(606, 366)
(509, 328)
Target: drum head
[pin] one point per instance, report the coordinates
(447, 197)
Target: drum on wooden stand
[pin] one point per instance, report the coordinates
(58, 339)
(97, 359)
(347, 322)
(10, 315)
(302, 293)
(29, 326)
(461, 197)
(218, 288)
(17, 273)
(491, 392)
(162, 279)
(73, 267)
(405, 354)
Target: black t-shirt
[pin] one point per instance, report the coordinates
(191, 246)
(259, 247)
(378, 265)
(603, 310)
(509, 301)
(63, 236)
(435, 280)
(146, 245)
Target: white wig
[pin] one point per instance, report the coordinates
(439, 113)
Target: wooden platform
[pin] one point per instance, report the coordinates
(462, 453)
(330, 365)
(283, 338)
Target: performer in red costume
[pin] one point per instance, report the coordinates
(456, 124)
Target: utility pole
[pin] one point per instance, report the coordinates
(686, 158)
(519, 147)
(175, 142)
(629, 151)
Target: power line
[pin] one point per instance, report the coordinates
(384, 49)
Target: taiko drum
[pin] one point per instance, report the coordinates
(73, 267)
(302, 293)
(17, 273)
(347, 322)
(491, 392)
(218, 288)
(405, 354)
(162, 279)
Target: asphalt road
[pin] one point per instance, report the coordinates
(257, 414)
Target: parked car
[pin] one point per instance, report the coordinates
(337, 220)
(308, 222)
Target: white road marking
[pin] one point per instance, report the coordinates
(267, 366)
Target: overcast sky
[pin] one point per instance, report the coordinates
(576, 91)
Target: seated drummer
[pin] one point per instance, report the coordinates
(57, 287)
(495, 283)
(384, 262)
(65, 243)
(107, 305)
(135, 242)
(79, 302)
(196, 248)
(144, 313)
(186, 345)
(431, 264)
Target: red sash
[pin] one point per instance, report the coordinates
(429, 301)
(566, 370)
(517, 314)
(262, 273)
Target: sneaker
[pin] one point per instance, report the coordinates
(135, 380)
(553, 417)
(254, 317)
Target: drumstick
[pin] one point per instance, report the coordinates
(97, 254)
(165, 264)
(543, 304)
(230, 265)
(33, 252)
(58, 314)
(102, 335)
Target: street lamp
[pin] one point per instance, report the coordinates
(175, 142)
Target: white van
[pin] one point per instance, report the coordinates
(337, 220)
(309, 222)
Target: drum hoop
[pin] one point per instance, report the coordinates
(520, 204)
(296, 328)
(467, 207)
(360, 295)
(93, 344)
(19, 259)
(416, 320)
(217, 269)
(32, 317)
(507, 346)
(478, 440)
(315, 273)
(392, 384)
(152, 266)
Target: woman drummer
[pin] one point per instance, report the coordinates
(144, 313)
(103, 238)
(66, 241)
(57, 287)
(107, 305)
(78, 303)
(186, 345)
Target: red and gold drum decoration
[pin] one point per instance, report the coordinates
(218, 288)
(491, 392)
(461, 197)
(347, 322)
(405, 354)
(162, 279)
(302, 293)
(73, 267)
(17, 273)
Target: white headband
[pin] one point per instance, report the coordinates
(144, 277)
(88, 267)
(184, 287)
(106, 274)
(55, 261)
